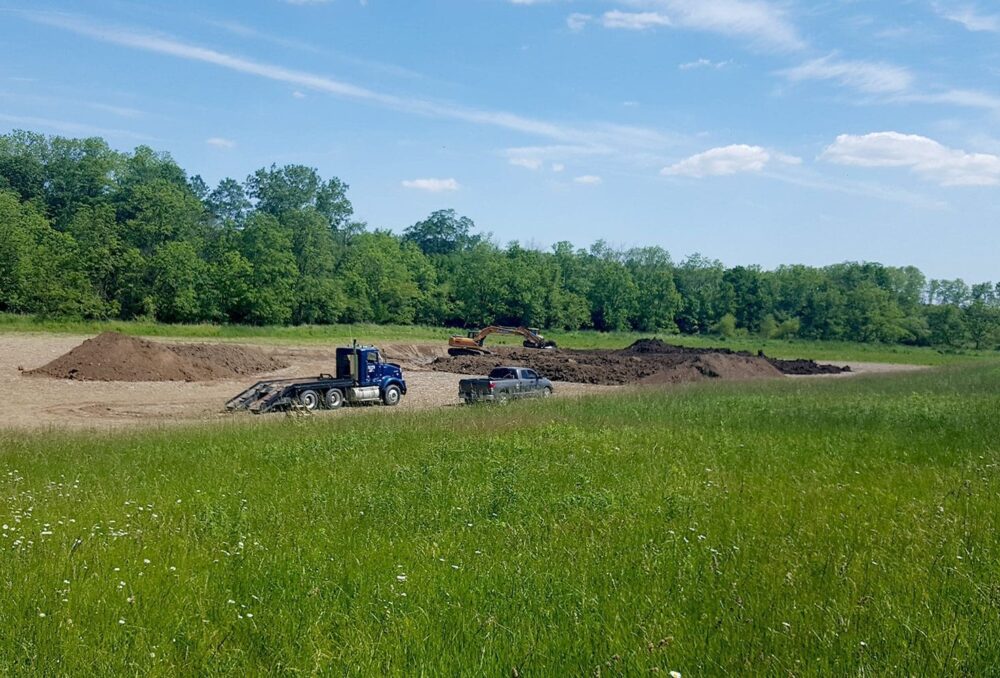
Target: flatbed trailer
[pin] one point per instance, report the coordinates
(362, 378)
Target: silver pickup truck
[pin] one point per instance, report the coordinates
(503, 384)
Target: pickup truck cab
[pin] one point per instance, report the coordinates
(503, 384)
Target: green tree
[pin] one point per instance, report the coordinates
(267, 245)
(280, 190)
(443, 232)
(658, 300)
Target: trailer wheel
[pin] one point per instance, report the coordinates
(309, 399)
(392, 395)
(334, 398)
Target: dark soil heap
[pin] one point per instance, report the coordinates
(647, 361)
(112, 356)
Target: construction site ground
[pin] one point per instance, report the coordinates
(47, 402)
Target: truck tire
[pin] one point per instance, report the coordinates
(334, 398)
(310, 399)
(546, 392)
(392, 395)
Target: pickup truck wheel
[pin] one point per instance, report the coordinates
(309, 399)
(546, 392)
(392, 395)
(334, 398)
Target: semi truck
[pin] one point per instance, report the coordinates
(362, 377)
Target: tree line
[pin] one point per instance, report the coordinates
(90, 232)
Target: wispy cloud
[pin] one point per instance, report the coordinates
(970, 17)
(727, 160)
(74, 128)
(703, 63)
(634, 21)
(955, 97)
(925, 157)
(432, 185)
(577, 21)
(588, 180)
(61, 103)
(764, 24)
(865, 76)
(527, 163)
(596, 134)
(121, 111)
(220, 142)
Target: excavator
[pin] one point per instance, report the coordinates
(472, 344)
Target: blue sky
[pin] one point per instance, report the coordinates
(753, 131)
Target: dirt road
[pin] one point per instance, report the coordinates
(42, 402)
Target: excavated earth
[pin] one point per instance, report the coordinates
(647, 361)
(112, 356)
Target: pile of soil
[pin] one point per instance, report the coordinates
(647, 361)
(112, 356)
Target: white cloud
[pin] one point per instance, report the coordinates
(588, 179)
(970, 17)
(298, 95)
(928, 158)
(866, 76)
(432, 185)
(727, 160)
(220, 142)
(763, 23)
(558, 167)
(576, 21)
(634, 21)
(529, 163)
(703, 63)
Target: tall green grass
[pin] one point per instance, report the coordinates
(369, 333)
(845, 527)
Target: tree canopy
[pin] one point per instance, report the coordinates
(90, 232)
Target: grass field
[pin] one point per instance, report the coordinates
(344, 334)
(803, 527)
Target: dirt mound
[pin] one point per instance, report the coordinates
(112, 356)
(413, 355)
(647, 361)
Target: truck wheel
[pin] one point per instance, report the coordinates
(334, 398)
(546, 392)
(309, 399)
(392, 395)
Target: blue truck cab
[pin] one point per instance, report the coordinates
(365, 366)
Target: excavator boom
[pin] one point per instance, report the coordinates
(473, 343)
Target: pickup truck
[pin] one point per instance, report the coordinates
(503, 384)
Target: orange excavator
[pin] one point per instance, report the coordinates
(472, 344)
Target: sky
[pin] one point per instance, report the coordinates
(763, 132)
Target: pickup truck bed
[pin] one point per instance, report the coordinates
(503, 384)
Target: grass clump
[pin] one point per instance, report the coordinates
(798, 527)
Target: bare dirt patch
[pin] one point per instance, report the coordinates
(53, 403)
(112, 356)
(647, 361)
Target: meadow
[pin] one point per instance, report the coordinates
(800, 527)
(580, 339)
